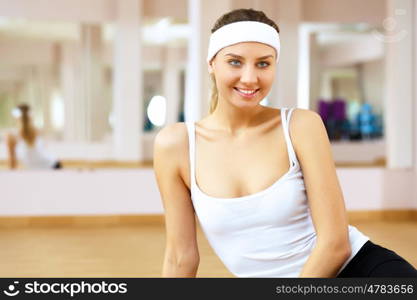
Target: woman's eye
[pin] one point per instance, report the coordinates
(232, 62)
(263, 64)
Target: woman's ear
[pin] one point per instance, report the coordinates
(210, 67)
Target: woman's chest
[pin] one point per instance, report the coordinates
(235, 168)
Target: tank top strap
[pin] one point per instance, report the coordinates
(191, 150)
(286, 124)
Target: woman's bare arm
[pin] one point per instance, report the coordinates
(181, 254)
(325, 195)
(11, 146)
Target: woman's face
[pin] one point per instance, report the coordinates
(244, 73)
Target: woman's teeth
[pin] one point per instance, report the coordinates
(246, 92)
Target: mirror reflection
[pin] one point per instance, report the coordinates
(346, 72)
(65, 74)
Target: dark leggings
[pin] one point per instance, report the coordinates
(373, 260)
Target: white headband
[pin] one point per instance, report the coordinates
(243, 31)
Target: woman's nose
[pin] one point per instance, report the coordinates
(248, 75)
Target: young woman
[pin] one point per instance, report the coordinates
(26, 145)
(264, 189)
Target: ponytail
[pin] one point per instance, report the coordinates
(214, 97)
(27, 131)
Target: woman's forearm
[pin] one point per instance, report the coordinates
(324, 261)
(12, 162)
(175, 269)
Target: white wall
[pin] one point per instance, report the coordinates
(68, 192)
(359, 151)
(343, 152)
(89, 151)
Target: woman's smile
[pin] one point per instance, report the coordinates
(246, 93)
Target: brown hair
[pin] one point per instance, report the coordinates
(27, 131)
(236, 15)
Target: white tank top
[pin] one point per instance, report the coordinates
(266, 234)
(34, 157)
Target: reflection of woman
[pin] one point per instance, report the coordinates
(224, 168)
(26, 145)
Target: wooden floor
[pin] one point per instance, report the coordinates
(137, 250)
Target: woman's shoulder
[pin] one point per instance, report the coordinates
(305, 124)
(171, 146)
(300, 116)
(303, 118)
(172, 140)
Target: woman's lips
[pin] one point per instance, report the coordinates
(247, 94)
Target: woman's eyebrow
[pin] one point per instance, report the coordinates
(241, 57)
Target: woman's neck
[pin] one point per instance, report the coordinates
(235, 120)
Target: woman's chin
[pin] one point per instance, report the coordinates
(244, 103)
